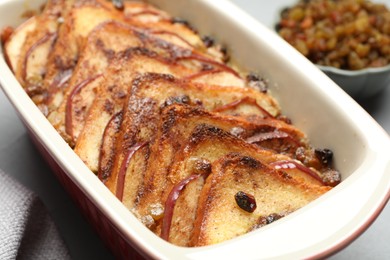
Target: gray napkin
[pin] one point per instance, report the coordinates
(26, 229)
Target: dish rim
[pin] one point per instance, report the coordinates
(352, 73)
(139, 234)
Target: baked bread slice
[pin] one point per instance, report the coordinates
(70, 117)
(74, 100)
(110, 98)
(39, 43)
(237, 181)
(177, 121)
(76, 23)
(150, 91)
(83, 17)
(28, 49)
(180, 146)
(15, 41)
(101, 45)
(210, 142)
(206, 145)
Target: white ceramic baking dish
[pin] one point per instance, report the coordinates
(315, 104)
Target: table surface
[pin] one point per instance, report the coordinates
(20, 159)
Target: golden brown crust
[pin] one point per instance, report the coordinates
(274, 193)
(28, 48)
(177, 124)
(151, 91)
(101, 46)
(111, 96)
(84, 17)
(184, 142)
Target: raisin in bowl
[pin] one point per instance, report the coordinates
(348, 40)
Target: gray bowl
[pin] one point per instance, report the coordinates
(360, 83)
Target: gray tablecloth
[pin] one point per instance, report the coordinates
(26, 229)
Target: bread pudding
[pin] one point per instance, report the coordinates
(178, 133)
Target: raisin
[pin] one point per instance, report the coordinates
(180, 20)
(183, 22)
(273, 217)
(256, 82)
(118, 4)
(324, 155)
(252, 77)
(331, 177)
(208, 41)
(183, 99)
(207, 67)
(245, 201)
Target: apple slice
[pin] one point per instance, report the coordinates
(110, 97)
(107, 145)
(120, 185)
(85, 86)
(30, 67)
(245, 100)
(34, 62)
(218, 77)
(296, 168)
(170, 203)
(15, 42)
